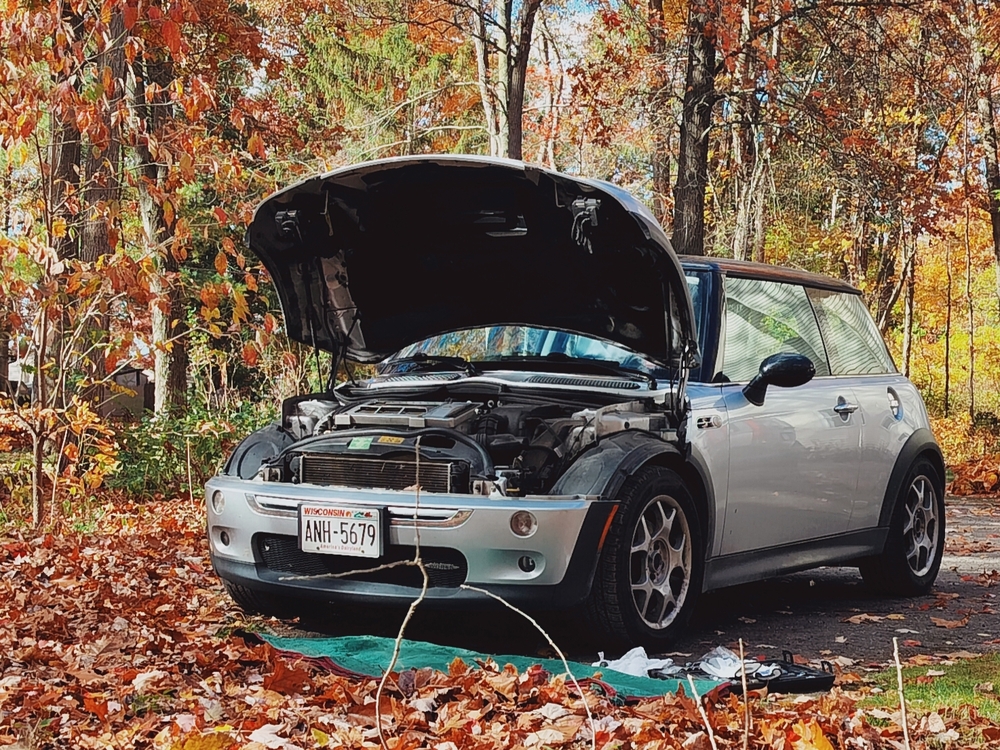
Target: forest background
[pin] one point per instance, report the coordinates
(855, 138)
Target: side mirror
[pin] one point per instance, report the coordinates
(785, 370)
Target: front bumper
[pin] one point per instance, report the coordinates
(463, 539)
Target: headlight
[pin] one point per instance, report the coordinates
(218, 501)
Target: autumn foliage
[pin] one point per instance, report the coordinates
(121, 637)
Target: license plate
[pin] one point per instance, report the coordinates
(340, 530)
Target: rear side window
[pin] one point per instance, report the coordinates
(852, 339)
(765, 318)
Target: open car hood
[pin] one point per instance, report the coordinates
(372, 257)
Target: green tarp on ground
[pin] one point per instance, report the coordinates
(370, 655)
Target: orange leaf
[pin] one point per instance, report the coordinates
(256, 146)
(221, 264)
(96, 704)
(220, 215)
(250, 355)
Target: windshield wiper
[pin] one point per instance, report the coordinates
(565, 362)
(425, 362)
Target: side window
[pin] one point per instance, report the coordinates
(765, 318)
(852, 339)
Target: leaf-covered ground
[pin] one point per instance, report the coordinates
(122, 638)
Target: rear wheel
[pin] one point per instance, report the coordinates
(912, 556)
(651, 568)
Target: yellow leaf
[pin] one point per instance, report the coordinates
(321, 737)
(211, 741)
(59, 227)
(811, 737)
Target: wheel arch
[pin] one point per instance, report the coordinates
(920, 445)
(604, 468)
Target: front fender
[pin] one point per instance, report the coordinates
(602, 469)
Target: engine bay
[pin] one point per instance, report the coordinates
(485, 445)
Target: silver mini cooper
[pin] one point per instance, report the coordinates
(565, 413)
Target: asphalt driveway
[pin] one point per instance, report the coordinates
(822, 614)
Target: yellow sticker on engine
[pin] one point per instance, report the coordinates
(391, 439)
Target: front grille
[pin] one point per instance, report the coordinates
(578, 382)
(348, 471)
(446, 568)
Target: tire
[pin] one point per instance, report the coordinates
(255, 602)
(651, 567)
(910, 561)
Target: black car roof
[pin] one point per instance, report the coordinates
(749, 270)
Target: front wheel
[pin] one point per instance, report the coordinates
(912, 556)
(651, 568)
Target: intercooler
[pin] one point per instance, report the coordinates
(388, 474)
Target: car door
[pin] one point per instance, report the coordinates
(794, 461)
(859, 358)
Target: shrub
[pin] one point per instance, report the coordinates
(156, 455)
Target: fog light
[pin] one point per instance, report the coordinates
(523, 523)
(218, 501)
(525, 563)
(224, 538)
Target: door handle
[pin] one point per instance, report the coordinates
(845, 407)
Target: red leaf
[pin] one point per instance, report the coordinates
(131, 15)
(220, 214)
(172, 36)
(285, 679)
(250, 359)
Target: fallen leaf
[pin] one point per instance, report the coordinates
(858, 619)
(933, 723)
(950, 624)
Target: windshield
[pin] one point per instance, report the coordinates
(499, 342)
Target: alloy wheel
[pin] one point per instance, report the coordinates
(660, 562)
(921, 525)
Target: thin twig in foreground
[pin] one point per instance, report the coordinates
(902, 698)
(419, 562)
(746, 699)
(701, 710)
(540, 629)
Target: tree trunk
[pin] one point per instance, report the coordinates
(660, 121)
(947, 330)
(972, 315)
(101, 189)
(696, 120)
(487, 94)
(986, 112)
(64, 157)
(169, 329)
(5, 388)
(518, 79)
(910, 272)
